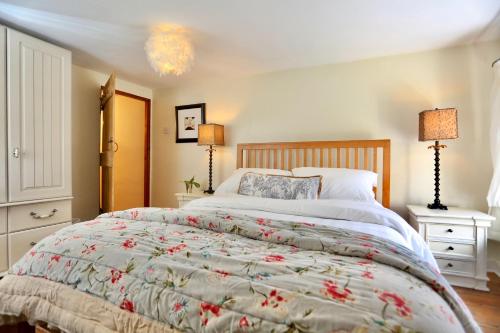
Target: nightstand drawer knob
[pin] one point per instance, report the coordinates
(451, 248)
(449, 230)
(449, 264)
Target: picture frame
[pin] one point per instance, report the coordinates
(187, 119)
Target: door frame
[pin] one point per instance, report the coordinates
(147, 141)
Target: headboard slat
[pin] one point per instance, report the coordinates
(282, 159)
(347, 158)
(365, 158)
(252, 155)
(356, 158)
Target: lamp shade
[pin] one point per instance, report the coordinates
(438, 124)
(210, 134)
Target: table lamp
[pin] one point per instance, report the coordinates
(210, 135)
(435, 125)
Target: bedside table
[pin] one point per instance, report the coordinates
(457, 238)
(184, 198)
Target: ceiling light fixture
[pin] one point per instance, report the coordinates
(169, 50)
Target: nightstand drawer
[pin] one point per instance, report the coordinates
(452, 248)
(451, 231)
(456, 266)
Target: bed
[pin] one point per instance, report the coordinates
(233, 263)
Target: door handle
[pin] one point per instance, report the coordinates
(37, 216)
(15, 152)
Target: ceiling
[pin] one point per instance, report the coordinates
(237, 37)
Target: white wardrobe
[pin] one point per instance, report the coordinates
(35, 142)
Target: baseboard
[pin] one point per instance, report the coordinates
(494, 267)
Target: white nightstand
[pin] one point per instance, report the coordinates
(457, 238)
(184, 198)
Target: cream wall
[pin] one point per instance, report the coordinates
(378, 98)
(85, 136)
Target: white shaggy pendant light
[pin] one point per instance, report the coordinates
(169, 50)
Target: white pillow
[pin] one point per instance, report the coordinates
(340, 183)
(232, 184)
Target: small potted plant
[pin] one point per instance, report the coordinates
(190, 183)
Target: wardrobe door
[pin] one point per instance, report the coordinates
(3, 117)
(38, 108)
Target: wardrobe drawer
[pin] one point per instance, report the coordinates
(22, 241)
(456, 266)
(452, 248)
(38, 215)
(452, 231)
(3, 221)
(3, 254)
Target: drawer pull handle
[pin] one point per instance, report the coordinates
(449, 265)
(451, 248)
(36, 216)
(33, 243)
(449, 230)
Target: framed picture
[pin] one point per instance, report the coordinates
(187, 118)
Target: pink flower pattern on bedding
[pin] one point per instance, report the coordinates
(214, 272)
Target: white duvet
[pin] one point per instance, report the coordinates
(370, 218)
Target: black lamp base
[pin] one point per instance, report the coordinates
(210, 191)
(437, 205)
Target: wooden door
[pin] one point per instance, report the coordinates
(39, 118)
(3, 116)
(107, 144)
(131, 158)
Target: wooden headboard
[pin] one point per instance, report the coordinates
(353, 154)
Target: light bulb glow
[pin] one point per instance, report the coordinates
(169, 50)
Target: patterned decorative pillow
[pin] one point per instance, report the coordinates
(280, 187)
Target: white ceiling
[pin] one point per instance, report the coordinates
(237, 37)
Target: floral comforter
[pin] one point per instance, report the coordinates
(214, 272)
